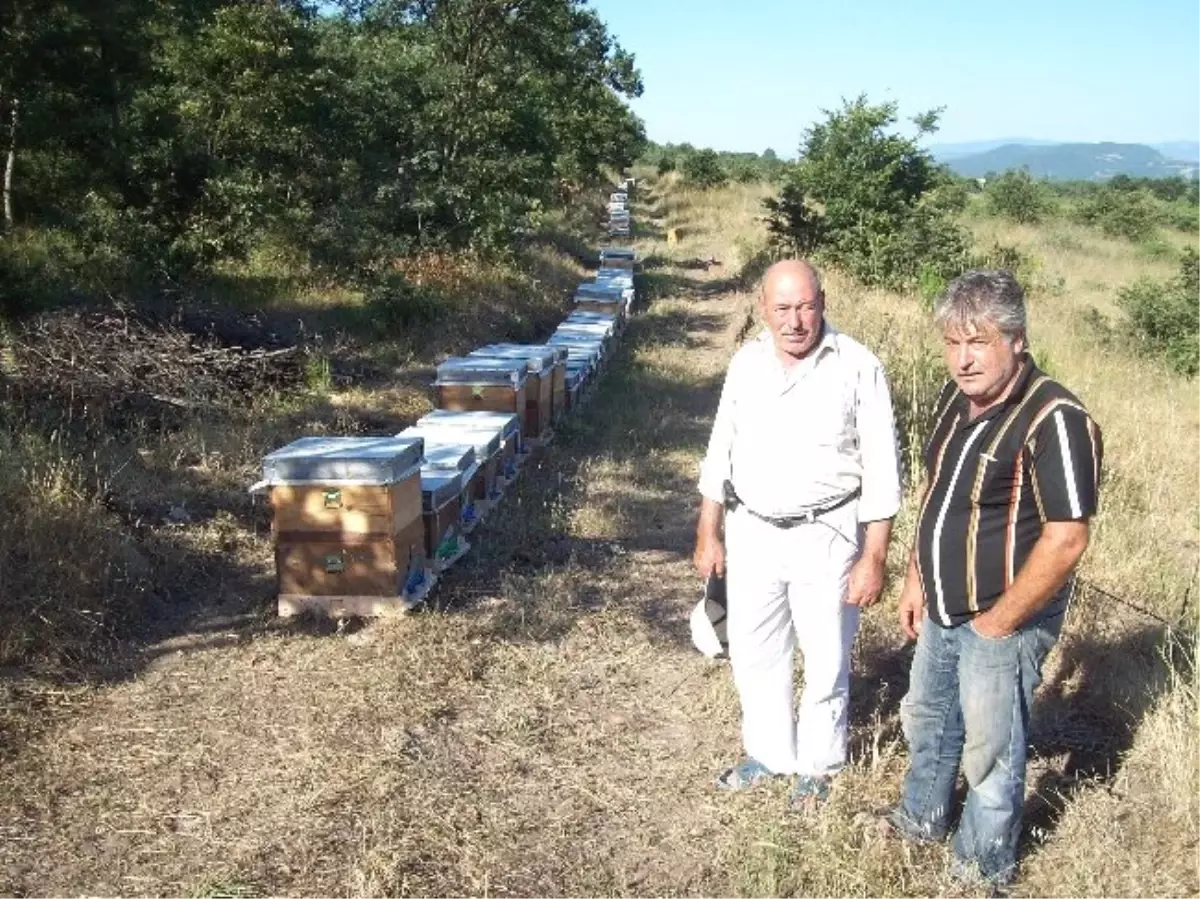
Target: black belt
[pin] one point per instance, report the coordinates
(808, 516)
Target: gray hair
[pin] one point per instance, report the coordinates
(979, 298)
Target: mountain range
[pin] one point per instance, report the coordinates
(1071, 161)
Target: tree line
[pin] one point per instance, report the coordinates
(705, 167)
(175, 133)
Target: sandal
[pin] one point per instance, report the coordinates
(744, 775)
(809, 793)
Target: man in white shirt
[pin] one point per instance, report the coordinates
(799, 486)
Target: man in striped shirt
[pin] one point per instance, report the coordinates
(1012, 479)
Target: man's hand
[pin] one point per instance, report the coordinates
(866, 577)
(989, 625)
(912, 610)
(912, 601)
(866, 582)
(1050, 563)
(709, 557)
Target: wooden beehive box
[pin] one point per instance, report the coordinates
(553, 358)
(576, 380)
(467, 384)
(617, 280)
(614, 306)
(456, 456)
(618, 257)
(441, 499)
(581, 355)
(346, 520)
(582, 344)
(375, 565)
(539, 386)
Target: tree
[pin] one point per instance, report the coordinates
(703, 169)
(174, 134)
(865, 198)
(1016, 196)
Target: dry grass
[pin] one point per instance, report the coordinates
(547, 728)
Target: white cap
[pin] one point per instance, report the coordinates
(703, 635)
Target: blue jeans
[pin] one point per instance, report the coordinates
(968, 701)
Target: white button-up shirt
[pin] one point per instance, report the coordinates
(801, 438)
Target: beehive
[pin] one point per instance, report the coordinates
(466, 384)
(546, 363)
(346, 521)
(486, 443)
(618, 258)
(602, 298)
(577, 378)
(442, 492)
(539, 385)
(506, 424)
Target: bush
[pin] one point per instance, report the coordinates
(1165, 316)
(703, 169)
(1129, 214)
(1181, 216)
(1016, 196)
(870, 201)
(394, 305)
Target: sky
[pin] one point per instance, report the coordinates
(752, 74)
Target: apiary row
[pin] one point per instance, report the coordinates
(364, 526)
(619, 224)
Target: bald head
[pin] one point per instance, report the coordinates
(791, 273)
(793, 305)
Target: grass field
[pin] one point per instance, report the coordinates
(546, 728)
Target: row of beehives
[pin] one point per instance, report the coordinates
(619, 224)
(365, 525)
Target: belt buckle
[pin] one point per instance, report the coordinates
(808, 516)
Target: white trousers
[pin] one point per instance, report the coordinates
(788, 588)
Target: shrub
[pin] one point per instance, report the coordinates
(1024, 266)
(1181, 216)
(867, 199)
(1016, 196)
(1165, 316)
(394, 305)
(703, 169)
(1128, 214)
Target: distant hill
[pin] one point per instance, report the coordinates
(1184, 150)
(946, 152)
(1085, 162)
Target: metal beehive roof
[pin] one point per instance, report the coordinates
(355, 460)
(483, 370)
(483, 439)
(507, 423)
(439, 486)
(539, 358)
(457, 454)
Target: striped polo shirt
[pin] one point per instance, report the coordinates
(992, 482)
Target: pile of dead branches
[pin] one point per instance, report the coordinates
(116, 356)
